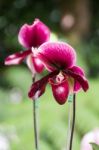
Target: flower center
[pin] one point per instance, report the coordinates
(59, 78)
(34, 51)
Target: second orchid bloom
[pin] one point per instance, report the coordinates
(30, 37)
(65, 77)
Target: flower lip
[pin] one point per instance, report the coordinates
(60, 90)
(57, 55)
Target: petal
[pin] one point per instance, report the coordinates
(78, 77)
(96, 135)
(33, 35)
(29, 63)
(38, 88)
(60, 90)
(38, 66)
(87, 139)
(57, 55)
(16, 58)
(35, 65)
(79, 71)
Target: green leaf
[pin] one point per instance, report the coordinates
(95, 146)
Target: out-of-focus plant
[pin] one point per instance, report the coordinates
(90, 140)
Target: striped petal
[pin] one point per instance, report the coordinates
(74, 73)
(38, 88)
(16, 58)
(79, 71)
(33, 35)
(57, 55)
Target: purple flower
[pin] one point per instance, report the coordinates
(30, 37)
(91, 137)
(65, 77)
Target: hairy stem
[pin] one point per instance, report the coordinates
(35, 122)
(73, 121)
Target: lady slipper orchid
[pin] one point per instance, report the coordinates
(65, 77)
(30, 37)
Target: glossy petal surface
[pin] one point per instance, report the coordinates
(60, 90)
(33, 35)
(57, 55)
(38, 88)
(16, 58)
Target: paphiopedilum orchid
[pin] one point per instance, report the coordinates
(30, 37)
(65, 77)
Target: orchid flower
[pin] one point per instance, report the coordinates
(65, 77)
(90, 137)
(30, 37)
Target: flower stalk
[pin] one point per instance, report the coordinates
(73, 121)
(35, 121)
(35, 118)
(69, 124)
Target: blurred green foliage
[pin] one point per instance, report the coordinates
(53, 117)
(91, 55)
(91, 49)
(95, 147)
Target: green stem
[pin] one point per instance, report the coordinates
(35, 122)
(69, 125)
(73, 121)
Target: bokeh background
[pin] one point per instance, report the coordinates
(73, 21)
